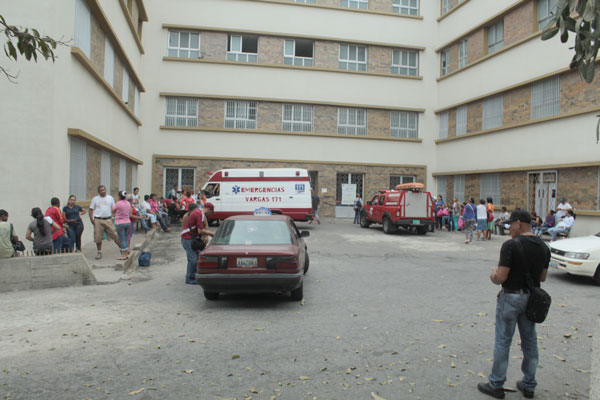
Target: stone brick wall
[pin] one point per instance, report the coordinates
(576, 94)
(472, 187)
(477, 45)
(378, 123)
(451, 123)
(97, 47)
(118, 80)
(519, 23)
(326, 54)
(453, 64)
(449, 189)
(517, 105)
(269, 116)
(211, 113)
(380, 5)
(114, 174)
(270, 50)
(128, 177)
(92, 171)
(513, 190)
(214, 45)
(375, 177)
(131, 101)
(325, 119)
(379, 59)
(579, 186)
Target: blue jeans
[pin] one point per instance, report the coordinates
(57, 244)
(123, 234)
(192, 260)
(74, 233)
(357, 216)
(510, 312)
(555, 231)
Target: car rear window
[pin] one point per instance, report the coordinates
(253, 232)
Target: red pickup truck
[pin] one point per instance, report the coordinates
(408, 207)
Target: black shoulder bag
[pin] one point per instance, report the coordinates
(17, 245)
(197, 242)
(539, 301)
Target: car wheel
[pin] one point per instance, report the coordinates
(211, 295)
(298, 293)
(421, 230)
(364, 221)
(597, 276)
(306, 264)
(388, 227)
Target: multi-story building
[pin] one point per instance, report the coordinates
(365, 94)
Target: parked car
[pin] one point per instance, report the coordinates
(577, 256)
(253, 254)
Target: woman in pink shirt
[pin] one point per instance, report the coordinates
(122, 212)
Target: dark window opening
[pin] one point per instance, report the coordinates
(304, 48)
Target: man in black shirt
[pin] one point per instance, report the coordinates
(533, 256)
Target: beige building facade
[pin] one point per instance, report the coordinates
(369, 93)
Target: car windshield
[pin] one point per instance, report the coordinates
(253, 232)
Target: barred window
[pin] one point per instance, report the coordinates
(461, 120)
(408, 7)
(181, 111)
(352, 121)
(298, 52)
(405, 62)
(546, 10)
(78, 169)
(83, 27)
(445, 62)
(304, 1)
(459, 187)
(490, 187)
(545, 98)
(184, 44)
(363, 4)
(463, 53)
(493, 109)
(445, 6)
(298, 117)
(242, 48)
(441, 187)
(444, 125)
(240, 114)
(353, 58)
(404, 124)
(396, 180)
(496, 36)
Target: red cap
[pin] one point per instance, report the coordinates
(210, 206)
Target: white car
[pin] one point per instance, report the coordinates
(577, 256)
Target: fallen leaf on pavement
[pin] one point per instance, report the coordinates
(233, 357)
(437, 320)
(253, 390)
(188, 371)
(305, 378)
(568, 335)
(374, 396)
(559, 358)
(442, 346)
(481, 375)
(138, 391)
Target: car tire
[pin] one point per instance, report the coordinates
(211, 295)
(298, 293)
(306, 264)
(421, 230)
(597, 276)
(364, 221)
(388, 226)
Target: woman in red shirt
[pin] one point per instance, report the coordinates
(187, 200)
(58, 234)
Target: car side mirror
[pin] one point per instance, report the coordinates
(304, 234)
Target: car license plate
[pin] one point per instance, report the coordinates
(553, 264)
(247, 262)
(416, 222)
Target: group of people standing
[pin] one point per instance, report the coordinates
(466, 217)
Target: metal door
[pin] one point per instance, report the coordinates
(542, 191)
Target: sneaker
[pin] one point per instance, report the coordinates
(526, 392)
(490, 391)
(99, 255)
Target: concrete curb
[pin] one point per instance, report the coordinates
(595, 371)
(130, 265)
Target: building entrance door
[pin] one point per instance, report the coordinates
(347, 186)
(542, 192)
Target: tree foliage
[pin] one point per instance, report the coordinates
(581, 17)
(27, 43)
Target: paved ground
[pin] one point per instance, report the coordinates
(401, 315)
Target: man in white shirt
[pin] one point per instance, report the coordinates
(562, 208)
(563, 226)
(101, 217)
(146, 209)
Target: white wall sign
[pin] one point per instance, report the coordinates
(348, 193)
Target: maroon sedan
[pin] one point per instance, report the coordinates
(253, 254)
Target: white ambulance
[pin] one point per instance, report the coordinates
(284, 191)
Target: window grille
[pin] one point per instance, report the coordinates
(240, 114)
(459, 187)
(297, 117)
(242, 48)
(404, 124)
(546, 10)
(445, 62)
(304, 1)
(352, 121)
(463, 53)
(493, 109)
(125, 91)
(490, 186)
(441, 187)
(405, 62)
(461, 120)
(353, 58)
(298, 52)
(545, 98)
(181, 111)
(496, 36)
(363, 4)
(396, 180)
(105, 170)
(444, 125)
(445, 6)
(184, 44)
(78, 169)
(83, 27)
(408, 7)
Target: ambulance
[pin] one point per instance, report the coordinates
(284, 191)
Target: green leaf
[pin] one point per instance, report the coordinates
(549, 33)
(35, 33)
(12, 50)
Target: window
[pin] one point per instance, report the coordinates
(183, 178)
(404, 124)
(352, 121)
(83, 27)
(78, 169)
(353, 58)
(396, 180)
(181, 111)
(109, 63)
(463, 53)
(444, 125)
(461, 120)
(122, 174)
(134, 170)
(348, 184)
(490, 187)
(125, 91)
(445, 62)
(493, 109)
(298, 52)
(441, 187)
(304, 1)
(546, 10)
(105, 170)
(242, 48)
(364, 4)
(496, 36)
(445, 6)
(408, 7)
(136, 105)
(240, 114)
(405, 62)
(545, 98)
(459, 187)
(184, 44)
(297, 117)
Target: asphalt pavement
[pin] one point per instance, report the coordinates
(402, 316)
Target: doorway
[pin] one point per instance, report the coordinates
(542, 192)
